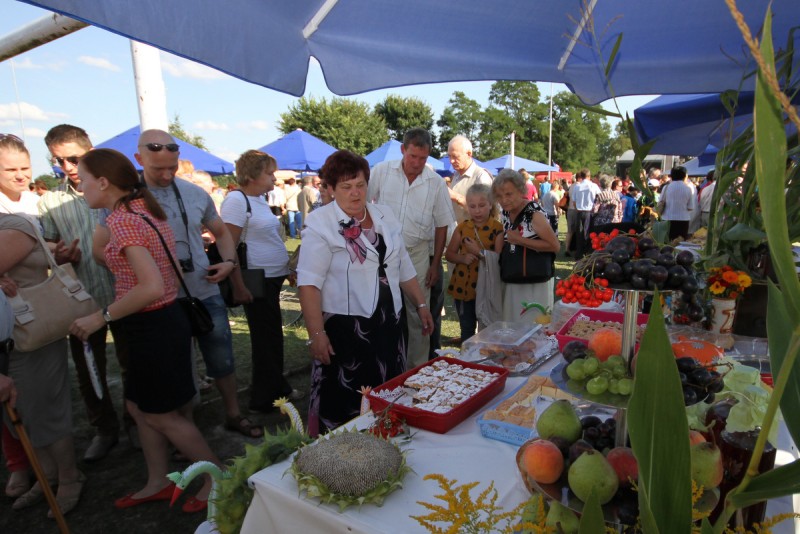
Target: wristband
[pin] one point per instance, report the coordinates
(423, 305)
(234, 262)
(315, 334)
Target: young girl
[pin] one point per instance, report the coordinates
(482, 231)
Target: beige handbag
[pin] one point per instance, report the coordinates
(44, 312)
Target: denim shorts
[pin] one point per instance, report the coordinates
(217, 346)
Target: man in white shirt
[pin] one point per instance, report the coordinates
(581, 201)
(679, 200)
(467, 173)
(420, 200)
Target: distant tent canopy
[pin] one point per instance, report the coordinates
(390, 151)
(299, 151)
(127, 143)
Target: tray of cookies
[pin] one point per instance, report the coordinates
(586, 322)
(512, 418)
(439, 394)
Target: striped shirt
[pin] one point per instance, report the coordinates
(65, 216)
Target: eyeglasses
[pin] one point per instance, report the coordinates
(156, 147)
(72, 160)
(13, 137)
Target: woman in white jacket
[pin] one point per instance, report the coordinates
(352, 266)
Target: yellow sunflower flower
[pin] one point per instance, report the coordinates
(744, 280)
(717, 288)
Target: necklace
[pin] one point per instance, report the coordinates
(364, 218)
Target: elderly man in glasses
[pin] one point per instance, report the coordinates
(65, 216)
(189, 210)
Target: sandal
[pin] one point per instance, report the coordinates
(243, 425)
(19, 482)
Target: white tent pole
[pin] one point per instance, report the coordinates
(40, 31)
(150, 92)
(513, 141)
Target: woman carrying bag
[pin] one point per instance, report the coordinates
(249, 220)
(159, 386)
(526, 226)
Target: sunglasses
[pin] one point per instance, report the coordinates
(156, 147)
(72, 160)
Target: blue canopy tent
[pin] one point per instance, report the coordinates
(390, 150)
(127, 143)
(363, 45)
(696, 167)
(299, 151)
(505, 162)
(687, 124)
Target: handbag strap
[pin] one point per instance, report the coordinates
(169, 254)
(243, 235)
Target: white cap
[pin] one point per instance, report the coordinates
(653, 183)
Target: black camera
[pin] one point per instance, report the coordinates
(187, 265)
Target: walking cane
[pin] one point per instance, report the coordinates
(28, 446)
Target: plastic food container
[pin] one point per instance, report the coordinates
(594, 315)
(505, 344)
(441, 423)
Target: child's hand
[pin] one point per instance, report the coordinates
(471, 246)
(469, 258)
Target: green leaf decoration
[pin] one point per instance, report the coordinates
(612, 57)
(705, 527)
(783, 480)
(592, 521)
(743, 232)
(778, 328)
(660, 435)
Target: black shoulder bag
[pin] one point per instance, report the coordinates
(522, 265)
(253, 279)
(199, 318)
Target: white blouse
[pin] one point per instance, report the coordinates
(350, 287)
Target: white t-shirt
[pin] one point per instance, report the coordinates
(265, 248)
(28, 204)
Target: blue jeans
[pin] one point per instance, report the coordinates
(467, 317)
(295, 223)
(217, 346)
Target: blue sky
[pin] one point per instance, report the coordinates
(86, 79)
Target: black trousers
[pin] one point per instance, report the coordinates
(266, 346)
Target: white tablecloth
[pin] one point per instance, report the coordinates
(461, 454)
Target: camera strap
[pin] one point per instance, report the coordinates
(185, 218)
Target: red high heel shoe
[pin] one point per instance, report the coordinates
(129, 500)
(193, 504)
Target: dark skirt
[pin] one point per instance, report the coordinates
(369, 352)
(160, 366)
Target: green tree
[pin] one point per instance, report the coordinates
(619, 143)
(176, 130)
(344, 123)
(524, 114)
(580, 137)
(403, 113)
(463, 116)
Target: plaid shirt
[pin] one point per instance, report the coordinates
(129, 230)
(65, 215)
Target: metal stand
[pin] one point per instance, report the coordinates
(630, 311)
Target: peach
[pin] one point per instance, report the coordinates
(624, 463)
(542, 461)
(696, 437)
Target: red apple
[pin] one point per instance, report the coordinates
(624, 463)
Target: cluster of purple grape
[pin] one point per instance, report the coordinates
(699, 382)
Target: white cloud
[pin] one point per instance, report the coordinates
(252, 125)
(227, 155)
(26, 64)
(35, 132)
(211, 125)
(183, 68)
(30, 112)
(99, 62)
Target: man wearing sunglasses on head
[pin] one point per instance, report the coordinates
(189, 210)
(66, 217)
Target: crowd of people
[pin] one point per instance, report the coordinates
(369, 273)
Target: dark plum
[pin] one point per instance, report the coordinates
(620, 256)
(667, 249)
(689, 285)
(695, 313)
(574, 350)
(627, 270)
(685, 258)
(638, 282)
(689, 396)
(624, 242)
(677, 276)
(659, 275)
(651, 254)
(686, 364)
(666, 260)
(578, 448)
(642, 267)
(590, 421)
(612, 272)
(646, 243)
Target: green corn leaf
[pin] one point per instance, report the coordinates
(592, 521)
(744, 232)
(659, 434)
(613, 56)
(770, 162)
(783, 480)
(705, 527)
(779, 328)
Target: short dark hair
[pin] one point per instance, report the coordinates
(584, 173)
(67, 133)
(418, 137)
(678, 173)
(343, 165)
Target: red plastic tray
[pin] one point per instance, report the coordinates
(441, 423)
(594, 315)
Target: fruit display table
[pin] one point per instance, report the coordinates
(462, 454)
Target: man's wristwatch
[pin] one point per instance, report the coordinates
(107, 316)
